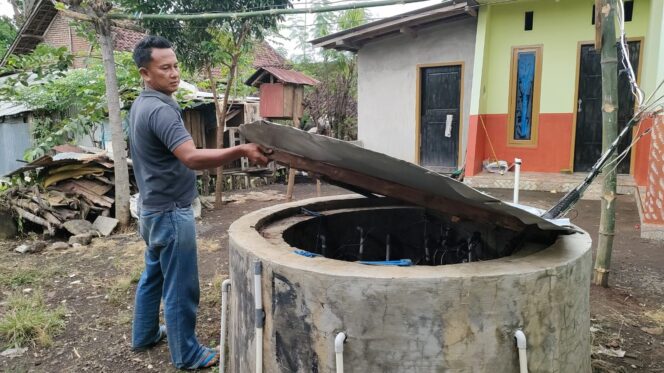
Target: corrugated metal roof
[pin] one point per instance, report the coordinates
(285, 76)
(68, 154)
(352, 39)
(12, 108)
(377, 173)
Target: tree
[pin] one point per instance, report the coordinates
(96, 12)
(334, 101)
(205, 44)
(7, 34)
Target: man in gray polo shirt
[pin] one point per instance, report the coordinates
(164, 157)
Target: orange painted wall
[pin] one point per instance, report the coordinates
(475, 147)
(642, 153)
(552, 153)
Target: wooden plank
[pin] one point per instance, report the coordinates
(401, 192)
(289, 92)
(94, 198)
(251, 112)
(298, 98)
(96, 188)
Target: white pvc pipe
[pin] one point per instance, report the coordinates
(521, 345)
(225, 287)
(517, 175)
(339, 351)
(258, 301)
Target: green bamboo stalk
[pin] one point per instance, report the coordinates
(609, 62)
(258, 13)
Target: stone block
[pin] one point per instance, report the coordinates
(8, 229)
(81, 239)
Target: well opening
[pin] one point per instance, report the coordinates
(414, 234)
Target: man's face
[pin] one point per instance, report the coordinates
(162, 73)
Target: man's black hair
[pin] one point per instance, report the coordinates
(143, 50)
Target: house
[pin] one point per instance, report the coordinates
(481, 80)
(415, 74)
(45, 24)
(557, 126)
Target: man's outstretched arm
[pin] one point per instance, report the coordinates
(201, 159)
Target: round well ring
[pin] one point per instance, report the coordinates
(422, 318)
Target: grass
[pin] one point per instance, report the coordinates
(120, 289)
(657, 316)
(211, 295)
(27, 320)
(18, 277)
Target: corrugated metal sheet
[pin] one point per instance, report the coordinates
(352, 39)
(337, 160)
(65, 154)
(11, 108)
(290, 76)
(14, 141)
(286, 76)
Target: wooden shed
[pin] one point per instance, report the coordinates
(281, 91)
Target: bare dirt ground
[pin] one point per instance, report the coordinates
(95, 285)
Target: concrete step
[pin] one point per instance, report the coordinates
(550, 182)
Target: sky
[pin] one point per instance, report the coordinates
(6, 9)
(377, 12)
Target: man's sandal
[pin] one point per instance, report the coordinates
(208, 359)
(161, 335)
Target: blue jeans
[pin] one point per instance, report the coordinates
(171, 273)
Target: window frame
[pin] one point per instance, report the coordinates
(537, 83)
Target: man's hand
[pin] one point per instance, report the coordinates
(201, 159)
(256, 154)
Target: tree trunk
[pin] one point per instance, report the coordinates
(117, 135)
(220, 127)
(609, 62)
(218, 203)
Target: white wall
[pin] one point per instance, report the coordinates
(387, 84)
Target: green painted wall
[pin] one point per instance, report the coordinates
(480, 68)
(558, 26)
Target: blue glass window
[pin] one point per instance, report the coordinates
(523, 112)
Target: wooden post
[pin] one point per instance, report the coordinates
(291, 170)
(291, 184)
(609, 62)
(318, 191)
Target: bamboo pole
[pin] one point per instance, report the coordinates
(260, 13)
(609, 62)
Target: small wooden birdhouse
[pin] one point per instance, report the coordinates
(281, 91)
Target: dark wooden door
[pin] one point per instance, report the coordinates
(588, 142)
(440, 110)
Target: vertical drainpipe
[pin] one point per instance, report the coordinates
(339, 351)
(225, 287)
(260, 315)
(517, 175)
(521, 345)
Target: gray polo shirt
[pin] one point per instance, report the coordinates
(156, 129)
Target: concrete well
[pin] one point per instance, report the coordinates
(422, 318)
